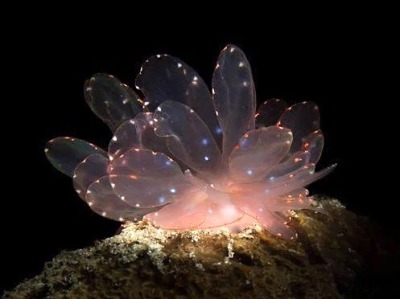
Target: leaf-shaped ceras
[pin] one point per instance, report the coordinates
(187, 158)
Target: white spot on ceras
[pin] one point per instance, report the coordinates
(46, 150)
(121, 219)
(89, 88)
(122, 198)
(114, 138)
(125, 101)
(158, 56)
(104, 214)
(172, 190)
(179, 65)
(137, 205)
(206, 158)
(241, 64)
(112, 185)
(231, 50)
(245, 83)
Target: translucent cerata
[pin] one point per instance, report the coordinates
(187, 157)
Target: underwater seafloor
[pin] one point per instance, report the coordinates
(337, 255)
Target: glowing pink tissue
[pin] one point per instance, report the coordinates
(183, 157)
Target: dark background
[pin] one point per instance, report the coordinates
(342, 63)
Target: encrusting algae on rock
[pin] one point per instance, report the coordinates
(143, 261)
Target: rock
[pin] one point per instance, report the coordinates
(335, 253)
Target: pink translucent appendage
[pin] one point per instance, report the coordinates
(234, 211)
(202, 209)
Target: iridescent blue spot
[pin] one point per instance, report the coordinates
(218, 130)
(161, 199)
(168, 162)
(204, 141)
(249, 172)
(244, 143)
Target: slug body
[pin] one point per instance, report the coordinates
(183, 157)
